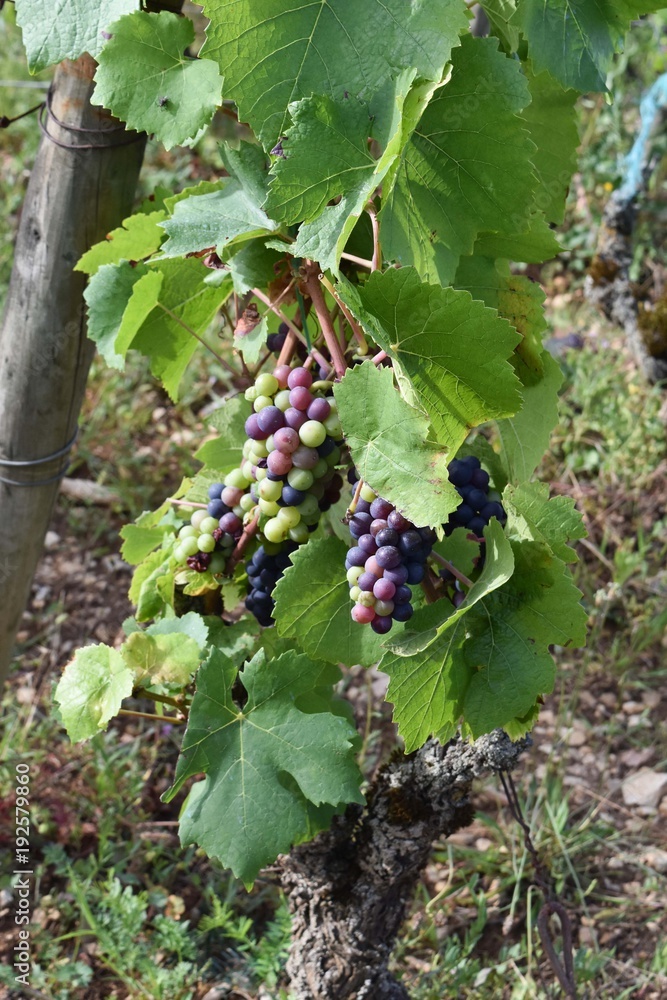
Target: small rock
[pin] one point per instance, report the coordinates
(662, 808)
(52, 540)
(632, 707)
(644, 787)
(637, 758)
(634, 721)
(651, 698)
(609, 700)
(577, 737)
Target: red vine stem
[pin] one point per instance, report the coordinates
(379, 357)
(186, 503)
(428, 587)
(321, 360)
(355, 499)
(452, 569)
(359, 335)
(314, 289)
(358, 260)
(287, 350)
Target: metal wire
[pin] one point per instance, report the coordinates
(31, 462)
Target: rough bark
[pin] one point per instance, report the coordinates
(349, 889)
(75, 196)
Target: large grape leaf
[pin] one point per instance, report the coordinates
(225, 217)
(466, 168)
(91, 690)
(488, 662)
(500, 14)
(388, 440)
(139, 236)
(521, 301)
(428, 679)
(226, 451)
(55, 31)
(532, 515)
(453, 350)
(170, 658)
(552, 120)
(272, 54)
(313, 607)
(264, 763)
(575, 40)
(524, 438)
(119, 298)
(534, 245)
(145, 78)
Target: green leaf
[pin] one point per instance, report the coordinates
(152, 585)
(466, 169)
(191, 625)
(389, 446)
(255, 266)
(238, 641)
(325, 236)
(500, 14)
(483, 277)
(429, 678)
(119, 298)
(145, 78)
(575, 40)
(56, 31)
(91, 690)
(139, 542)
(509, 634)
(452, 349)
(521, 301)
(313, 606)
(534, 245)
(268, 760)
(552, 119)
(225, 217)
(139, 236)
(161, 659)
(226, 451)
(533, 516)
(272, 55)
(525, 437)
(164, 338)
(252, 345)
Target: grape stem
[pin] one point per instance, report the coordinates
(362, 261)
(379, 357)
(242, 545)
(428, 587)
(312, 283)
(452, 569)
(376, 263)
(163, 699)
(355, 500)
(153, 718)
(358, 333)
(186, 503)
(177, 319)
(294, 330)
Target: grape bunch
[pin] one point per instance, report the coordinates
(207, 541)
(388, 558)
(478, 504)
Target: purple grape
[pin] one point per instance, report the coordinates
(299, 377)
(217, 509)
(387, 537)
(403, 595)
(294, 418)
(388, 556)
(379, 524)
(319, 409)
(356, 556)
(398, 575)
(214, 490)
(368, 544)
(492, 509)
(382, 624)
(327, 445)
(480, 479)
(410, 542)
(305, 458)
(477, 525)
(458, 599)
(402, 612)
(270, 419)
(253, 430)
(359, 525)
(459, 472)
(462, 515)
(381, 508)
(231, 523)
(416, 572)
(367, 581)
(384, 589)
(363, 506)
(300, 397)
(398, 522)
(293, 497)
(477, 499)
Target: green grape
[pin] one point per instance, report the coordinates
(237, 479)
(333, 427)
(320, 469)
(312, 433)
(217, 563)
(282, 400)
(367, 493)
(269, 507)
(355, 593)
(251, 393)
(187, 531)
(190, 546)
(366, 598)
(299, 533)
(261, 402)
(208, 526)
(275, 530)
(353, 574)
(300, 479)
(289, 516)
(270, 489)
(197, 518)
(180, 556)
(261, 474)
(333, 458)
(247, 503)
(247, 468)
(267, 385)
(206, 543)
(309, 506)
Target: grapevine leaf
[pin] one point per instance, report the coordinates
(56, 31)
(575, 40)
(552, 120)
(508, 639)
(139, 542)
(272, 55)
(185, 304)
(139, 236)
(227, 216)
(226, 451)
(271, 758)
(324, 238)
(388, 442)
(500, 14)
(453, 350)
(466, 168)
(145, 78)
(429, 678)
(525, 437)
(252, 345)
(238, 641)
(521, 301)
(483, 277)
(119, 298)
(91, 690)
(191, 625)
(152, 581)
(255, 266)
(160, 658)
(536, 244)
(532, 515)
(313, 606)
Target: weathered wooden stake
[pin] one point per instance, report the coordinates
(75, 196)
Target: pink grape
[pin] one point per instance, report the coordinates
(282, 373)
(305, 458)
(300, 377)
(300, 397)
(279, 463)
(384, 590)
(371, 566)
(286, 440)
(231, 523)
(362, 615)
(295, 418)
(231, 496)
(319, 409)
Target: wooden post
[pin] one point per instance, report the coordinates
(82, 186)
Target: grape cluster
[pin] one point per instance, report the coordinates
(207, 541)
(478, 504)
(264, 570)
(389, 556)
